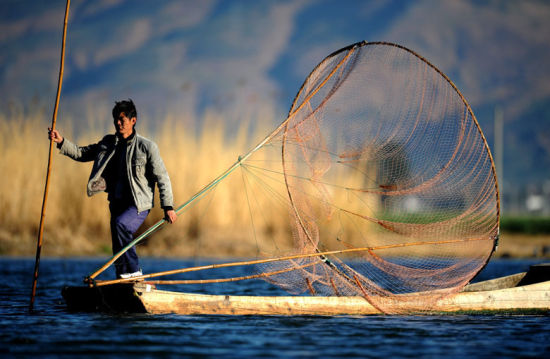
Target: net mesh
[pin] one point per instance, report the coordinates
(385, 164)
(388, 181)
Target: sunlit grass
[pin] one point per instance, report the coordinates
(246, 214)
(220, 224)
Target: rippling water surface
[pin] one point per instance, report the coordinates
(51, 331)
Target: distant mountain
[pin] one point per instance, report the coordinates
(182, 57)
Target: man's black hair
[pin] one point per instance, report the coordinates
(126, 106)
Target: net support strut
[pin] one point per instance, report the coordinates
(278, 259)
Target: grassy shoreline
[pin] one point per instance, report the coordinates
(219, 226)
(517, 246)
(514, 245)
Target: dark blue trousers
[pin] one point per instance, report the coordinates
(125, 221)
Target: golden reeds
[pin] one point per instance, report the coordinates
(77, 225)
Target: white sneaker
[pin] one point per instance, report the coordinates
(131, 275)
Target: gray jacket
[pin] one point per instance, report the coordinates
(143, 161)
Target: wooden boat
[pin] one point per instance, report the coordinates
(520, 293)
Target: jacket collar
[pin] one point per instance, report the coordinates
(128, 140)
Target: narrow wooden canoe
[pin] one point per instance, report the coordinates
(519, 293)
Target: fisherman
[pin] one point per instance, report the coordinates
(126, 166)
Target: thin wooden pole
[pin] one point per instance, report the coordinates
(224, 280)
(278, 259)
(46, 187)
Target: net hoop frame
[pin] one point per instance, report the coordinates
(351, 48)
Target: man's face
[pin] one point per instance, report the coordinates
(124, 125)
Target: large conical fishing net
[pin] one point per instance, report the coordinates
(385, 164)
(388, 181)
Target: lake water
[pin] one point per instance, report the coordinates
(51, 331)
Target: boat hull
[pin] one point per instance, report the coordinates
(145, 298)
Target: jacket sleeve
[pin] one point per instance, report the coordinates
(79, 153)
(161, 176)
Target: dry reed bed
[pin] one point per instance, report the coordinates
(218, 225)
(77, 225)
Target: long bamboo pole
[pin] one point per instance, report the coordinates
(290, 257)
(225, 280)
(47, 185)
(226, 173)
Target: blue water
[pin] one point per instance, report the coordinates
(51, 331)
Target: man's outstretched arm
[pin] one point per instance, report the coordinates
(78, 153)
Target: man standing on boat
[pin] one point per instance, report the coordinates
(126, 166)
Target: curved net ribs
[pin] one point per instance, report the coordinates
(382, 153)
